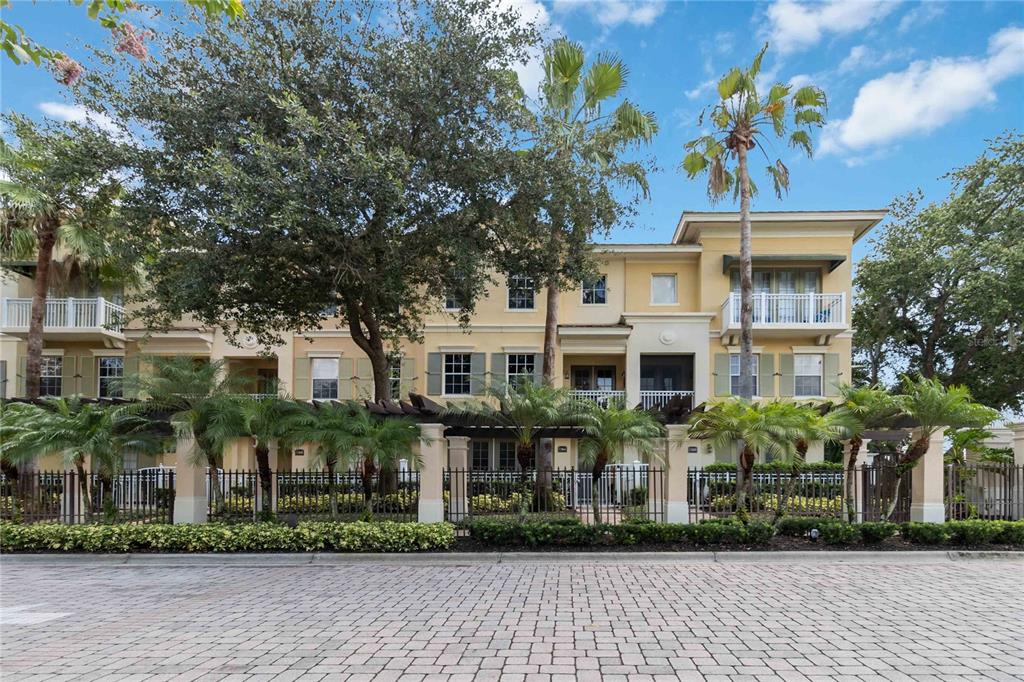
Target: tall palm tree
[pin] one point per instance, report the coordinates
(742, 119)
(330, 433)
(267, 419)
(57, 192)
(200, 399)
(522, 410)
(379, 443)
(934, 407)
(769, 428)
(862, 407)
(80, 433)
(606, 432)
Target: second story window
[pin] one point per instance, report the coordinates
(595, 291)
(325, 378)
(734, 373)
(451, 303)
(51, 369)
(110, 372)
(807, 374)
(456, 373)
(395, 376)
(520, 368)
(520, 293)
(663, 290)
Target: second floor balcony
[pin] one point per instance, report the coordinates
(65, 318)
(815, 313)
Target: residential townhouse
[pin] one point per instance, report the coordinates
(660, 322)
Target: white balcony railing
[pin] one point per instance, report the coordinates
(64, 314)
(789, 310)
(600, 396)
(652, 399)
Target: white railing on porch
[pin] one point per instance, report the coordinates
(652, 399)
(600, 396)
(782, 310)
(64, 313)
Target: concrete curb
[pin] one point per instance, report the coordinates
(494, 558)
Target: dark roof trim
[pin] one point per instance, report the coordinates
(833, 260)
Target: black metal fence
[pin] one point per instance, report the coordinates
(66, 497)
(621, 493)
(239, 496)
(713, 494)
(984, 490)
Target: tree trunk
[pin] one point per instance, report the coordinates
(263, 467)
(47, 236)
(908, 461)
(744, 469)
(83, 486)
(746, 281)
(794, 476)
(215, 487)
(544, 457)
(524, 455)
(600, 462)
(332, 491)
(848, 480)
(368, 469)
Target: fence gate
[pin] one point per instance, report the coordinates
(879, 483)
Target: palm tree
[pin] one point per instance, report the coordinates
(606, 431)
(267, 419)
(863, 407)
(769, 428)
(330, 433)
(742, 118)
(200, 399)
(79, 432)
(934, 407)
(57, 192)
(522, 410)
(379, 443)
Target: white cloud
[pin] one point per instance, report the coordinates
(922, 14)
(794, 26)
(857, 55)
(78, 114)
(531, 72)
(611, 13)
(705, 87)
(863, 57)
(925, 96)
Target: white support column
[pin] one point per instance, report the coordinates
(926, 483)
(190, 503)
(678, 460)
(433, 455)
(458, 461)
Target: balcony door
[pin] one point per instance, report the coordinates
(593, 378)
(666, 373)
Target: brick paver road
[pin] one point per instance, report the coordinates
(927, 621)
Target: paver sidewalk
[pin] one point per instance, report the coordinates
(895, 620)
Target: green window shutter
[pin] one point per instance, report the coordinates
(499, 370)
(722, 383)
(538, 369)
(346, 377)
(3, 378)
(22, 372)
(830, 374)
(87, 381)
(408, 376)
(68, 380)
(766, 374)
(131, 369)
(302, 389)
(477, 373)
(787, 383)
(364, 379)
(434, 373)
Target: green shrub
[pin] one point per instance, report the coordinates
(776, 467)
(799, 526)
(925, 533)
(840, 534)
(976, 532)
(1012, 533)
(213, 537)
(877, 531)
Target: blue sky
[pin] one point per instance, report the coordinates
(914, 88)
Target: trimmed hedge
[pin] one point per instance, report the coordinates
(386, 536)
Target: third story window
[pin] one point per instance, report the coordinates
(734, 373)
(595, 291)
(110, 372)
(663, 289)
(456, 373)
(520, 293)
(807, 374)
(325, 378)
(50, 370)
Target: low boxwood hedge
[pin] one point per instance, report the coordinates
(385, 536)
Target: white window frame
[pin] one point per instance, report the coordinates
(675, 288)
(313, 378)
(798, 375)
(520, 283)
(521, 360)
(51, 367)
(454, 307)
(395, 376)
(474, 445)
(590, 286)
(100, 376)
(736, 374)
(468, 373)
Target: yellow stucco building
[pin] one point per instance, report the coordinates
(661, 320)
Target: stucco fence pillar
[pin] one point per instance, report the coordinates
(681, 454)
(1017, 487)
(434, 457)
(190, 484)
(927, 484)
(458, 486)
